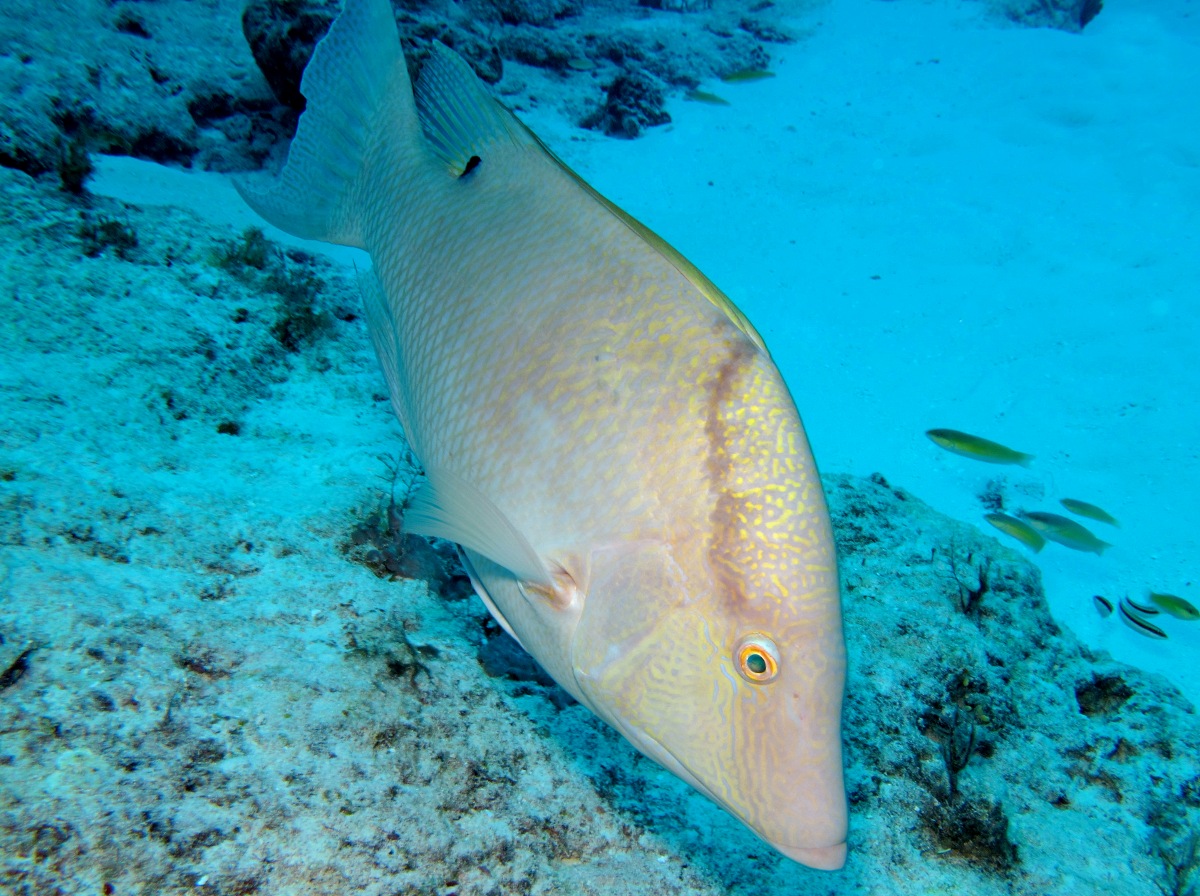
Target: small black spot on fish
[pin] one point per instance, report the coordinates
(472, 164)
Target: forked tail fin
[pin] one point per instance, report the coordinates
(357, 88)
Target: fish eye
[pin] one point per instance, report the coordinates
(757, 658)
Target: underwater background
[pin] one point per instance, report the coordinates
(225, 669)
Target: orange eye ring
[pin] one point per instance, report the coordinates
(757, 658)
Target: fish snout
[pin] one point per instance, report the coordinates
(823, 858)
(808, 814)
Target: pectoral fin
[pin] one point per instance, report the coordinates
(449, 507)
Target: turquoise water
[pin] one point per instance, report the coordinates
(225, 670)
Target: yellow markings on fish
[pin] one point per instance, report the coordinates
(1091, 511)
(1018, 529)
(1065, 531)
(977, 448)
(1175, 605)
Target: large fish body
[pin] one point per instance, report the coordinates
(604, 434)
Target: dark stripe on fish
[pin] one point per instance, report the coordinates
(1138, 624)
(1144, 610)
(728, 514)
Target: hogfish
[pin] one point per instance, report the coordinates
(603, 433)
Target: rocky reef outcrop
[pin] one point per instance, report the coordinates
(224, 669)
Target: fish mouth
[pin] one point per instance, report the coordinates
(822, 858)
(650, 746)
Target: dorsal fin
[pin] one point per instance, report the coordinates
(459, 117)
(707, 288)
(461, 120)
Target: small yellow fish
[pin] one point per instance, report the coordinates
(977, 448)
(747, 74)
(604, 434)
(1135, 621)
(1091, 511)
(1175, 605)
(1065, 531)
(703, 96)
(1018, 529)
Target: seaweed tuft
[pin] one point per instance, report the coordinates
(250, 250)
(103, 233)
(378, 541)
(74, 164)
(1102, 695)
(972, 585)
(973, 830)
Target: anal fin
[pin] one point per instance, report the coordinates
(486, 597)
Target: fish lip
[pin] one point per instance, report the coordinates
(650, 746)
(822, 858)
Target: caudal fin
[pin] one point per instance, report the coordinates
(356, 85)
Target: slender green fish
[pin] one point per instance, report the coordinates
(1065, 531)
(746, 74)
(977, 448)
(703, 96)
(604, 434)
(1091, 511)
(1175, 605)
(1018, 529)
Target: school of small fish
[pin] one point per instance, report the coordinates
(1033, 528)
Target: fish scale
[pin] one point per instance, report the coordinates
(466, 414)
(604, 434)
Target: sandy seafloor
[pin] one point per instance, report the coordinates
(934, 218)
